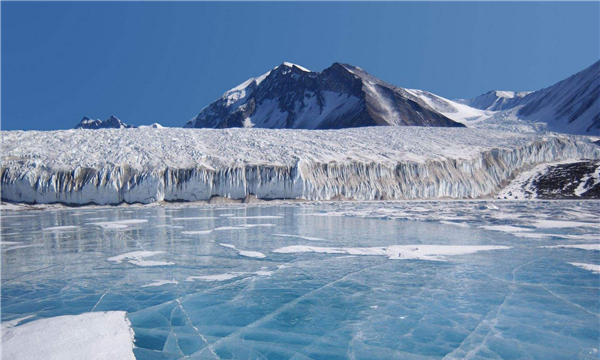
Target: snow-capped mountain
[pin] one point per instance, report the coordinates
(496, 100)
(112, 122)
(341, 96)
(570, 106)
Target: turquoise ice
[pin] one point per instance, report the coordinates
(318, 281)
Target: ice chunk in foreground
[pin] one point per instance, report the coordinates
(98, 335)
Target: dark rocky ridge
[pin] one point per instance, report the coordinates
(112, 122)
(561, 181)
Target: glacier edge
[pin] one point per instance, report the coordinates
(479, 175)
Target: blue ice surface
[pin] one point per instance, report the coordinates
(526, 302)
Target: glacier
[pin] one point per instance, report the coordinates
(112, 166)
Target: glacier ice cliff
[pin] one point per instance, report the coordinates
(111, 166)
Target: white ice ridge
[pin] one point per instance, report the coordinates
(139, 258)
(402, 252)
(591, 267)
(575, 246)
(161, 283)
(112, 166)
(245, 253)
(96, 335)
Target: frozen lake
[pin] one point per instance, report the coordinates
(397, 280)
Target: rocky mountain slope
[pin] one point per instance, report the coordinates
(569, 106)
(341, 96)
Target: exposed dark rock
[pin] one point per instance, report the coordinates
(340, 96)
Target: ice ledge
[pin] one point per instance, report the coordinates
(186, 165)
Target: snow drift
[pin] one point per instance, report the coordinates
(111, 166)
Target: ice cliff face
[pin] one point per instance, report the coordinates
(341, 96)
(144, 165)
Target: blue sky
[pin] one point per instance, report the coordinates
(164, 61)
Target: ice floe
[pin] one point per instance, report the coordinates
(459, 224)
(61, 228)
(196, 232)
(139, 258)
(161, 283)
(224, 228)
(549, 224)
(119, 224)
(258, 217)
(308, 238)
(228, 276)
(245, 253)
(505, 228)
(404, 252)
(575, 246)
(257, 225)
(591, 267)
(88, 336)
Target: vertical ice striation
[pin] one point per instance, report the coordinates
(191, 165)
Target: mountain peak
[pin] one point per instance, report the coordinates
(292, 65)
(341, 96)
(112, 122)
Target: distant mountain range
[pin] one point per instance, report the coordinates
(345, 96)
(342, 96)
(571, 105)
(112, 122)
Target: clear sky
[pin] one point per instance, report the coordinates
(163, 62)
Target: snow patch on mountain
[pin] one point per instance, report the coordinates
(288, 64)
